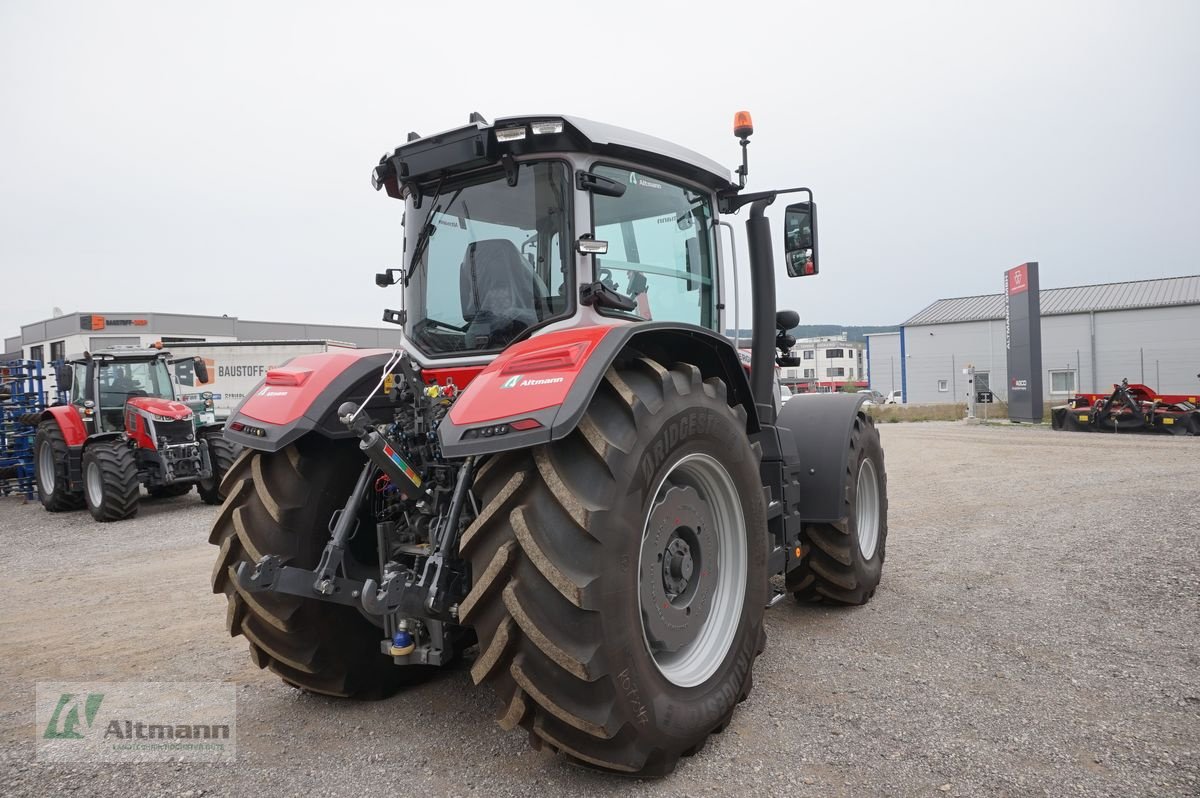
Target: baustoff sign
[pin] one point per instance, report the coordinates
(98, 322)
(1023, 340)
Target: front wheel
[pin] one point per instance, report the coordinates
(845, 560)
(110, 481)
(221, 455)
(621, 573)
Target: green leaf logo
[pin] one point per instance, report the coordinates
(63, 725)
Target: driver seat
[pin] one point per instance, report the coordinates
(498, 292)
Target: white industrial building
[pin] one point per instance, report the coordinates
(827, 363)
(70, 334)
(1147, 331)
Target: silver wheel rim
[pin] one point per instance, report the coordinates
(46, 467)
(868, 509)
(95, 485)
(700, 485)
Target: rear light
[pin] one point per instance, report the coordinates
(495, 430)
(563, 357)
(542, 128)
(257, 432)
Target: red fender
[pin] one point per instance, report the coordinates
(69, 422)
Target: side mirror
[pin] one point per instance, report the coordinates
(201, 369)
(65, 375)
(800, 239)
(389, 277)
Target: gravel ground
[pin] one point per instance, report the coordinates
(1035, 634)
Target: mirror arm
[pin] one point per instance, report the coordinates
(732, 201)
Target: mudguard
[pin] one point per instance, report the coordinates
(75, 434)
(303, 395)
(69, 422)
(814, 432)
(538, 390)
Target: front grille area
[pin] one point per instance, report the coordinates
(170, 433)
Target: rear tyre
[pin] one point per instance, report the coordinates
(169, 491)
(50, 465)
(620, 574)
(221, 454)
(845, 560)
(110, 481)
(281, 503)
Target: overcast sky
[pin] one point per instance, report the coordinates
(214, 158)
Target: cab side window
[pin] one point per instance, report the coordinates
(660, 247)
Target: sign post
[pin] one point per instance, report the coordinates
(1023, 341)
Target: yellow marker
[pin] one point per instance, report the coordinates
(389, 382)
(1083, 418)
(432, 392)
(1168, 420)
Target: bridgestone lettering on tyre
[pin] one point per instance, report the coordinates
(281, 503)
(845, 560)
(565, 557)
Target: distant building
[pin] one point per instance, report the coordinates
(827, 363)
(54, 339)
(1147, 331)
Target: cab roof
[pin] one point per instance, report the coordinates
(123, 353)
(424, 159)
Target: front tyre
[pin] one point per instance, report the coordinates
(845, 559)
(221, 454)
(621, 573)
(110, 481)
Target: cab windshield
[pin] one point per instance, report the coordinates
(122, 380)
(493, 259)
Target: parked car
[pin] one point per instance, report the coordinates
(873, 397)
(894, 398)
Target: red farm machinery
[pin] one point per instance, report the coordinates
(123, 428)
(1131, 407)
(564, 473)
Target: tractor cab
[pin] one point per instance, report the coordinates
(110, 387)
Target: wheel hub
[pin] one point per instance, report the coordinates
(678, 566)
(679, 569)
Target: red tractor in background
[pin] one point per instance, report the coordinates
(123, 429)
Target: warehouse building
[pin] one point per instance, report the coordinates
(1145, 331)
(56, 338)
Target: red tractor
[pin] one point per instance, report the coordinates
(565, 464)
(122, 429)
